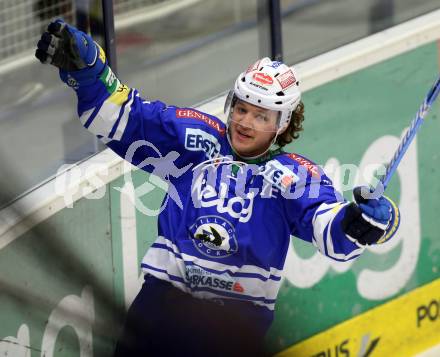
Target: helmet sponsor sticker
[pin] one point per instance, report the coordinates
(194, 114)
(259, 86)
(253, 67)
(286, 79)
(276, 64)
(263, 78)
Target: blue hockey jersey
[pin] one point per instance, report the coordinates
(226, 225)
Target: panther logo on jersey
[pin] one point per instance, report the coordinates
(211, 236)
(214, 236)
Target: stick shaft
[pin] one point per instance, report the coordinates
(410, 134)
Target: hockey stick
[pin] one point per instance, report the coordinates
(409, 136)
(398, 155)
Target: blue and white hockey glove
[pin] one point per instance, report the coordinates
(370, 221)
(79, 59)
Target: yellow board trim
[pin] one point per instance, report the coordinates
(402, 327)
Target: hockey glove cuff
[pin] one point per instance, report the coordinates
(79, 59)
(370, 221)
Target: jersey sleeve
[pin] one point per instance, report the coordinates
(136, 128)
(315, 209)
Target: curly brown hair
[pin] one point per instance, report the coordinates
(295, 126)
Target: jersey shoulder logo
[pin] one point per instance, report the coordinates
(200, 140)
(277, 174)
(194, 114)
(311, 167)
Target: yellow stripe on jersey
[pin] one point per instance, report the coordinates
(120, 96)
(101, 54)
(337, 208)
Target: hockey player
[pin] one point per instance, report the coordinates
(235, 198)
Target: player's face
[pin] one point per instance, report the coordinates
(252, 128)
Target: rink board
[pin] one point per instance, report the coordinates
(65, 282)
(402, 327)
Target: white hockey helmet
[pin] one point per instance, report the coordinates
(268, 84)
